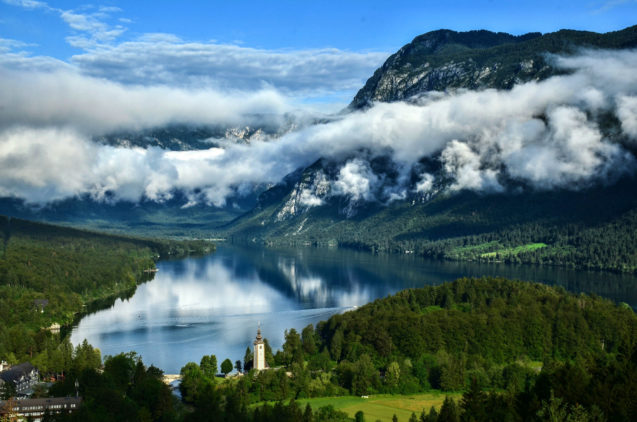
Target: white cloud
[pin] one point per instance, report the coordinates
(465, 166)
(540, 133)
(610, 4)
(67, 99)
(167, 60)
(28, 4)
(627, 113)
(8, 44)
(426, 183)
(572, 152)
(89, 25)
(324, 76)
(356, 180)
(308, 199)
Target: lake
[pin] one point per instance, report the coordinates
(213, 304)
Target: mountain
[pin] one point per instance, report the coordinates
(450, 192)
(183, 215)
(444, 60)
(148, 218)
(420, 210)
(187, 137)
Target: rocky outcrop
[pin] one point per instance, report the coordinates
(447, 60)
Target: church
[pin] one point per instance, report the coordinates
(259, 362)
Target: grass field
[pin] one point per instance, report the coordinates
(383, 406)
(493, 249)
(514, 251)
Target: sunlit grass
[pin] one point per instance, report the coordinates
(383, 406)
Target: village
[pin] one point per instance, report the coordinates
(22, 390)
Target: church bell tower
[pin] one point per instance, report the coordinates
(259, 352)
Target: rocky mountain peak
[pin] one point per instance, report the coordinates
(446, 60)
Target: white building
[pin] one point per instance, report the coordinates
(259, 362)
(34, 409)
(23, 377)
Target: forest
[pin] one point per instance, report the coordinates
(51, 274)
(502, 350)
(592, 229)
(518, 351)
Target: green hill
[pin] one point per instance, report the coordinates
(52, 274)
(515, 349)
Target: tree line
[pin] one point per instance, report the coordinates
(522, 351)
(51, 274)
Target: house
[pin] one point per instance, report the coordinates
(40, 304)
(23, 377)
(34, 408)
(4, 365)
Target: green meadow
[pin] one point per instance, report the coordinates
(383, 406)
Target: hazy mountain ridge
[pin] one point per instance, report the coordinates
(442, 60)
(180, 137)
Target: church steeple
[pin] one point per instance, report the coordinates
(258, 362)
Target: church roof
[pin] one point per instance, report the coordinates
(259, 337)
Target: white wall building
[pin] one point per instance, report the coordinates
(259, 362)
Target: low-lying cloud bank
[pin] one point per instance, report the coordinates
(92, 106)
(545, 134)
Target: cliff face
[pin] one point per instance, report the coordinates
(447, 60)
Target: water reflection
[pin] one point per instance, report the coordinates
(213, 304)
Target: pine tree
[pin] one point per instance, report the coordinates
(473, 403)
(448, 411)
(307, 414)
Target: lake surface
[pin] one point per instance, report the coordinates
(213, 304)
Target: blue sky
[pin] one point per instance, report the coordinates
(319, 51)
(356, 25)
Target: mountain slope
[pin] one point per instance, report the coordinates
(422, 209)
(444, 59)
(146, 218)
(594, 228)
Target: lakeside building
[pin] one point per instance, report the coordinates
(34, 409)
(23, 377)
(258, 361)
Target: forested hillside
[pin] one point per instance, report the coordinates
(594, 228)
(519, 351)
(52, 274)
(493, 320)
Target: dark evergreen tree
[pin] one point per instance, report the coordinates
(473, 403)
(449, 411)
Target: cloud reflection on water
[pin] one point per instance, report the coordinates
(212, 305)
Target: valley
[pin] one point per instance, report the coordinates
(441, 229)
